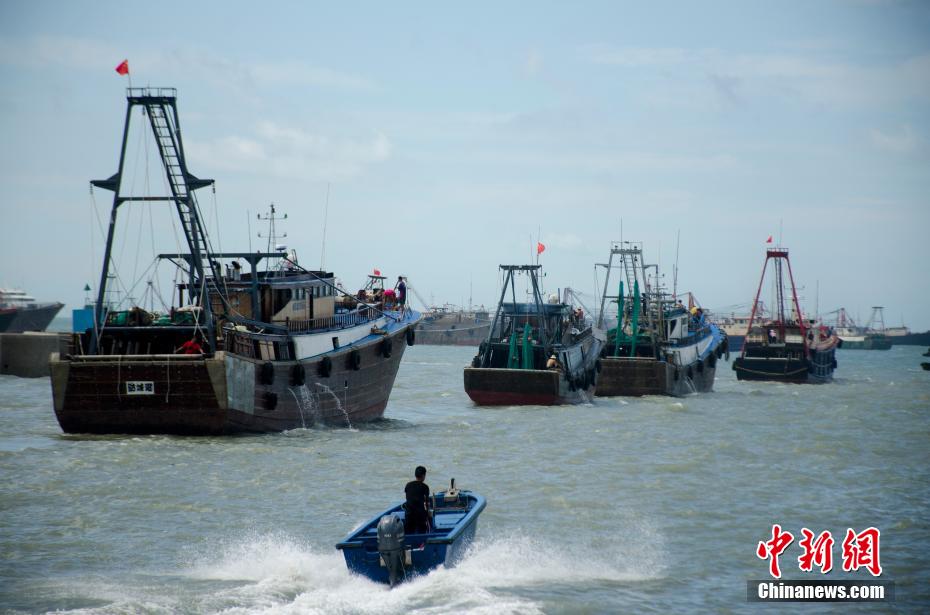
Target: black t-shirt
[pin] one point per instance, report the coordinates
(417, 496)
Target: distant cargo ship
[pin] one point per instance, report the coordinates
(20, 312)
(451, 326)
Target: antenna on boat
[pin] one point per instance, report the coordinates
(325, 219)
(675, 268)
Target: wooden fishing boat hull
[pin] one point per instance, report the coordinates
(817, 369)
(526, 387)
(226, 393)
(646, 376)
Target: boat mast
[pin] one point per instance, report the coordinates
(160, 106)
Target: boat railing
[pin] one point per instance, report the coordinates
(337, 321)
(149, 92)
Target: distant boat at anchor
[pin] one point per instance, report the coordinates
(870, 337)
(449, 325)
(20, 312)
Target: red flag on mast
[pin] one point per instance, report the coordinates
(123, 68)
(769, 240)
(540, 248)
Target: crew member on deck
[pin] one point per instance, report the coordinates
(401, 288)
(190, 347)
(553, 363)
(417, 491)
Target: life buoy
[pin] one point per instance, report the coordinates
(355, 360)
(386, 347)
(267, 373)
(325, 367)
(298, 375)
(411, 337)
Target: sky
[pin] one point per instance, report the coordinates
(451, 136)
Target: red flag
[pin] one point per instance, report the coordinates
(377, 272)
(769, 240)
(540, 248)
(123, 67)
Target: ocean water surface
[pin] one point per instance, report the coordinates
(623, 505)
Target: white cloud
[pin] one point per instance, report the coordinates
(89, 54)
(285, 151)
(903, 141)
(794, 75)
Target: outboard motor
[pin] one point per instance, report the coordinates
(391, 546)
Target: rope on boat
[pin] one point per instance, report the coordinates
(758, 373)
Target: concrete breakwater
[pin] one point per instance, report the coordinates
(26, 354)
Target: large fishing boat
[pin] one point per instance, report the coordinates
(658, 347)
(537, 352)
(449, 325)
(262, 350)
(20, 312)
(785, 348)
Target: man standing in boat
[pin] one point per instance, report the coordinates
(417, 491)
(401, 288)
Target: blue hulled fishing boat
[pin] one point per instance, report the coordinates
(381, 551)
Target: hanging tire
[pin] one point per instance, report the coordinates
(690, 373)
(700, 367)
(677, 374)
(325, 367)
(386, 347)
(355, 360)
(411, 337)
(298, 375)
(271, 400)
(712, 361)
(267, 373)
(598, 366)
(476, 362)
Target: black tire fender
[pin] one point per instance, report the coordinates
(298, 375)
(325, 367)
(355, 360)
(267, 373)
(387, 346)
(411, 337)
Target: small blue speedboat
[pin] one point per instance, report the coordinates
(381, 551)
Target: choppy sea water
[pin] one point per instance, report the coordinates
(624, 505)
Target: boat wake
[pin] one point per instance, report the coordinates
(276, 574)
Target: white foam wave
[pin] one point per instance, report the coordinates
(275, 574)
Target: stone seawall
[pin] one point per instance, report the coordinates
(26, 354)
